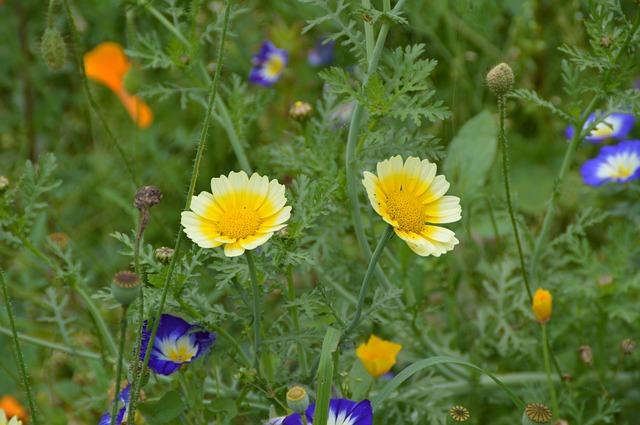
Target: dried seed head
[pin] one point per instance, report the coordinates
(133, 80)
(4, 183)
(59, 238)
(606, 41)
(164, 254)
(586, 354)
(500, 79)
(459, 413)
(125, 287)
(52, 49)
(536, 413)
(146, 197)
(627, 346)
(300, 111)
(297, 399)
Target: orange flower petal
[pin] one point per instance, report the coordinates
(139, 111)
(12, 408)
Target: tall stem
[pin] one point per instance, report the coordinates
(547, 368)
(123, 337)
(257, 296)
(135, 389)
(367, 277)
(502, 109)
(18, 350)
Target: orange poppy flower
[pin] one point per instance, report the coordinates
(107, 65)
(12, 408)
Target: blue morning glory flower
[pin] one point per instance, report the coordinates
(614, 126)
(322, 54)
(341, 412)
(123, 398)
(177, 342)
(268, 64)
(617, 163)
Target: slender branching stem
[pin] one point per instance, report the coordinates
(135, 389)
(256, 291)
(295, 319)
(502, 110)
(52, 345)
(547, 369)
(18, 350)
(123, 337)
(367, 277)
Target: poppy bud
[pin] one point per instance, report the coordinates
(536, 413)
(53, 49)
(500, 79)
(297, 399)
(542, 305)
(163, 254)
(125, 287)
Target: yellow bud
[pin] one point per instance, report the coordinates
(542, 305)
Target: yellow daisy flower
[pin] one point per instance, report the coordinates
(377, 355)
(241, 213)
(410, 197)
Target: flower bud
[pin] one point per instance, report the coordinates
(163, 254)
(542, 305)
(536, 413)
(627, 346)
(300, 111)
(500, 79)
(60, 239)
(297, 399)
(132, 80)
(586, 355)
(125, 287)
(4, 183)
(458, 414)
(146, 197)
(52, 49)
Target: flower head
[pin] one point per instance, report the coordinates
(10, 420)
(542, 305)
(500, 79)
(108, 65)
(614, 126)
(322, 53)
(123, 398)
(616, 163)
(268, 64)
(241, 213)
(341, 412)
(377, 355)
(459, 413)
(177, 343)
(11, 408)
(410, 197)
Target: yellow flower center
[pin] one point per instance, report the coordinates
(622, 172)
(602, 130)
(180, 352)
(405, 208)
(275, 65)
(239, 223)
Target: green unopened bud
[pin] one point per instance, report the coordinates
(297, 399)
(500, 79)
(125, 287)
(536, 413)
(53, 49)
(133, 80)
(458, 414)
(163, 254)
(4, 183)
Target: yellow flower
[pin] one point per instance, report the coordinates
(5, 421)
(241, 213)
(377, 355)
(410, 197)
(542, 305)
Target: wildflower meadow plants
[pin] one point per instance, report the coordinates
(319, 212)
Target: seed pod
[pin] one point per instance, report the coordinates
(500, 79)
(163, 254)
(53, 49)
(297, 399)
(586, 354)
(147, 196)
(536, 413)
(125, 287)
(458, 414)
(627, 346)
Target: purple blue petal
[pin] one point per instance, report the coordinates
(123, 398)
(616, 163)
(615, 126)
(322, 53)
(268, 64)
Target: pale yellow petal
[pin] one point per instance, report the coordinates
(274, 201)
(233, 249)
(205, 205)
(253, 242)
(278, 218)
(199, 230)
(438, 188)
(445, 210)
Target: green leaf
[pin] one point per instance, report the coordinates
(325, 375)
(165, 410)
(471, 154)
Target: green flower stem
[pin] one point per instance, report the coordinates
(502, 109)
(293, 311)
(52, 345)
(135, 389)
(388, 232)
(18, 350)
(123, 337)
(547, 368)
(256, 292)
(368, 32)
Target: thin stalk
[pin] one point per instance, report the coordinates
(135, 389)
(18, 350)
(123, 337)
(293, 311)
(255, 307)
(52, 345)
(502, 109)
(547, 369)
(368, 32)
(388, 232)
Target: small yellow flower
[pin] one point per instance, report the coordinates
(377, 355)
(241, 213)
(542, 305)
(410, 197)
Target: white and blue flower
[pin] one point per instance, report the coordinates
(616, 163)
(322, 53)
(123, 398)
(341, 412)
(177, 343)
(614, 126)
(268, 64)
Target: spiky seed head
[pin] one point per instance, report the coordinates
(164, 254)
(125, 287)
(300, 111)
(297, 399)
(586, 354)
(536, 413)
(53, 49)
(459, 413)
(146, 197)
(500, 79)
(627, 346)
